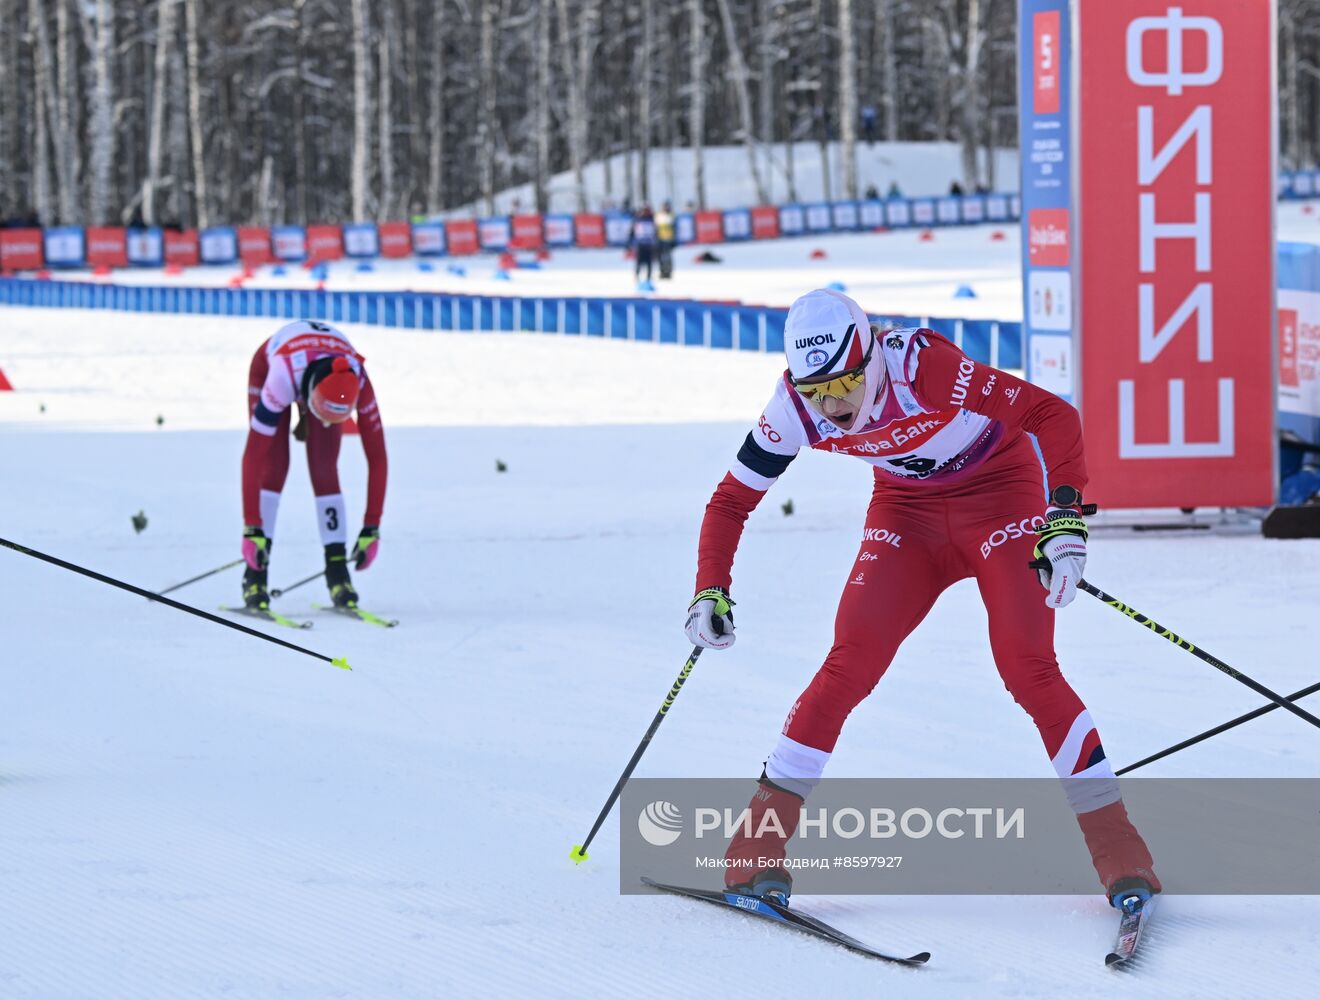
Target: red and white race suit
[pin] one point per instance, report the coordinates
(958, 491)
(276, 382)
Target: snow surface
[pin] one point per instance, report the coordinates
(187, 811)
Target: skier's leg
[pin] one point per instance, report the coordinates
(1000, 544)
(331, 517)
(899, 571)
(272, 480)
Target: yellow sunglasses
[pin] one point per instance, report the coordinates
(838, 386)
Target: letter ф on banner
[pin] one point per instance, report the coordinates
(1174, 146)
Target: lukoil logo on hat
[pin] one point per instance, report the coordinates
(660, 823)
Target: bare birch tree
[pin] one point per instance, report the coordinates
(646, 74)
(435, 182)
(889, 64)
(385, 111)
(42, 194)
(738, 73)
(156, 140)
(102, 125)
(54, 128)
(848, 98)
(66, 94)
(485, 123)
(575, 74)
(697, 98)
(361, 169)
(8, 131)
(541, 170)
(196, 124)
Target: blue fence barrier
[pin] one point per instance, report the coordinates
(665, 321)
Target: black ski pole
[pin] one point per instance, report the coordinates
(1200, 654)
(1233, 724)
(339, 661)
(280, 592)
(579, 852)
(203, 576)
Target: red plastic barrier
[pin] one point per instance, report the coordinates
(589, 230)
(765, 222)
(107, 246)
(527, 233)
(395, 239)
(254, 246)
(21, 249)
(461, 235)
(182, 249)
(325, 243)
(710, 227)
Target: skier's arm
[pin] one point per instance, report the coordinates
(768, 449)
(945, 376)
(372, 432)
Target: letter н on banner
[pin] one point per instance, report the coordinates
(1175, 201)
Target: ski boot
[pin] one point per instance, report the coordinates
(774, 884)
(1130, 894)
(1120, 856)
(342, 594)
(754, 861)
(255, 595)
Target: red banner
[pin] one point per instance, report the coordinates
(254, 246)
(1176, 250)
(710, 227)
(1047, 237)
(21, 250)
(107, 246)
(527, 233)
(395, 239)
(589, 229)
(182, 248)
(461, 235)
(765, 222)
(1045, 59)
(324, 243)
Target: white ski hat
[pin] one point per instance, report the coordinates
(827, 333)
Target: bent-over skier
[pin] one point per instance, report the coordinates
(311, 365)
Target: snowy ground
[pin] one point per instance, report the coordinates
(187, 811)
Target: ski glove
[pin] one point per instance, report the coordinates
(1061, 555)
(367, 547)
(710, 619)
(256, 548)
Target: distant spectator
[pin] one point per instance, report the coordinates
(868, 123)
(135, 219)
(642, 240)
(664, 235)
(871, 192)
(893, 191)
(955, 187)
(982, 188)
